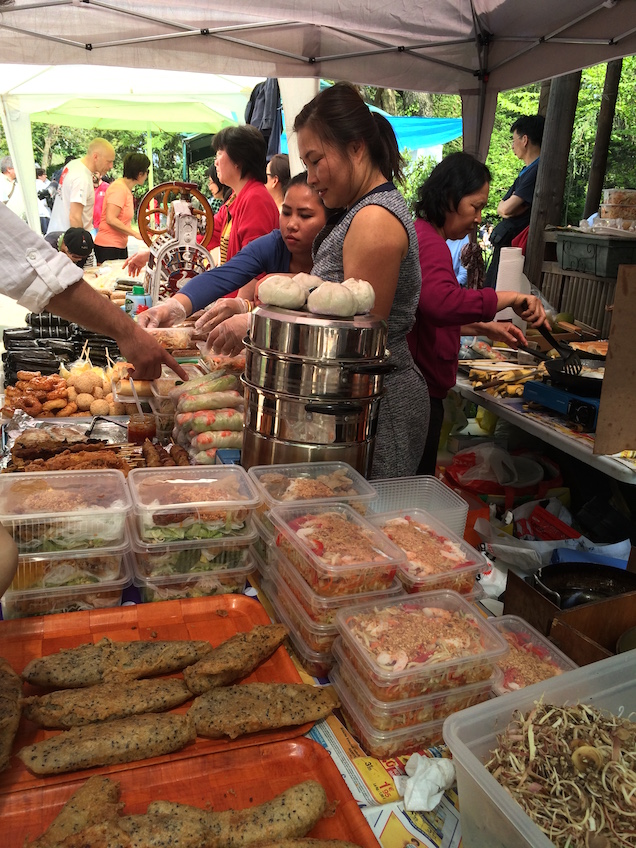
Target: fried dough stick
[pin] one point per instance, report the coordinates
(235, 658)
(150, 454)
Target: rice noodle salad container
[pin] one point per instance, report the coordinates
(424, 643)
(335, 550)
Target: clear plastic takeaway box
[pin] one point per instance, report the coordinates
(309, 482)
(319, 609)
(185, 503)
(532, 656)
(350, 556)
(115, 571)
(190, 557)
(65, 510)
(383, 743)
(163, 385)
(418, 644)
(447, 561)
(489, 814)
(229, 581)
(424, 492)
(385, 716)
(315, 663)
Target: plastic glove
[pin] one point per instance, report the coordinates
(165, 314)
(220, 310)
(228, 337)
(135, 263)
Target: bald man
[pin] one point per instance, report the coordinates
(75, 197)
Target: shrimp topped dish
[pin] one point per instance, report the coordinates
(419, 645)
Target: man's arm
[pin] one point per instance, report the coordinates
(83, 305)
(512, 207)
(75, 215)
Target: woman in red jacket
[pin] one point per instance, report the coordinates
(449, 207)
(250, 211)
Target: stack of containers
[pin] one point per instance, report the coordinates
(405, 664)
(191, 530)
(70, 529)
(305, 587)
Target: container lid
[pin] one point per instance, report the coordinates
(164, 489)
(274, 585)
(431, 549)
(311, 481)
(405, 638)
(303, 651)
(343, 540)
(138, 290)
(36, 495)
(222, 543)
(532, 656)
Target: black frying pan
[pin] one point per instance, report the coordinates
(569, 584)
(588, 386)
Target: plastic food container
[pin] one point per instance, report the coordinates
(439, 635)
(347, 555)
(182, 503)
(489, 814)
(163, 410)
(383, 743)
(531, 658)
(323, 610)
(394, 715)
(317, 637)
(230, 581)
(185, 558)
(25, 603)
(625, 196)
(315, 663)
(65, 510)
(446, 561)
(335, 482)
(425, 492)
(162, 386)
(172, 338)
(626, 211)
(73, 568)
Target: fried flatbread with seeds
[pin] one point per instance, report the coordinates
(249, 707)
(237, 657)
(10, 696)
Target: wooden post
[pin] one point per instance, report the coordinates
(548, 191)
(544, 97)
(603, 135)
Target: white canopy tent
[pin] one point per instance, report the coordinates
(472, 47)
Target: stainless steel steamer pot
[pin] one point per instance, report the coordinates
(301, 334)
(292, 375)
(266, 450)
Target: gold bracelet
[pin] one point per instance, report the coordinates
(250, 305)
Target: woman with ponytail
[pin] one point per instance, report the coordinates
(352, 158)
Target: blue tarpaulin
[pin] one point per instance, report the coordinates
(415, 133)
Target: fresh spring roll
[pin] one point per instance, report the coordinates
(212, 400)
(106, 661)
(76, 707)
(120, 741)
(227, 418)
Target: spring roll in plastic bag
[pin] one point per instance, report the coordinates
(217, 439)
(213, 400)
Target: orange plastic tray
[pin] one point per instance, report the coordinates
(212, 618)
(236, 779)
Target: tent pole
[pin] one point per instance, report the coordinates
(151, 175)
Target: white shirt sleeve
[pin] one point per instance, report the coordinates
(31, 271)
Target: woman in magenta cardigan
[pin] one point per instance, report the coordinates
(449, 207)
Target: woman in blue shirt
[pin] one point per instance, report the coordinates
(283, 251)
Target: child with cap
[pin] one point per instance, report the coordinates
(76, 243)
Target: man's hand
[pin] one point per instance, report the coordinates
(135, 263)
(147, 357)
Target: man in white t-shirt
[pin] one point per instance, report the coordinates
(73, 205)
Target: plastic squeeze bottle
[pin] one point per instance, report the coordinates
(137, 301)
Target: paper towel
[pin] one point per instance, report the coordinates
(428, 779)
(510, 277)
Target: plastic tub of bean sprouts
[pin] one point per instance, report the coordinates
(489, 813)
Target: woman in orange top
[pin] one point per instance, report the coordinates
(114, 227)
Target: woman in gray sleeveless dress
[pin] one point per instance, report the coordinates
(351, 157)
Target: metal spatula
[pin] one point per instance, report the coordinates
(571, 360)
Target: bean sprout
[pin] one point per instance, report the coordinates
(573, 770)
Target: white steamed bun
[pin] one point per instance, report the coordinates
(282, 291)
(307, 281)
(363, 293)
(332, 299)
